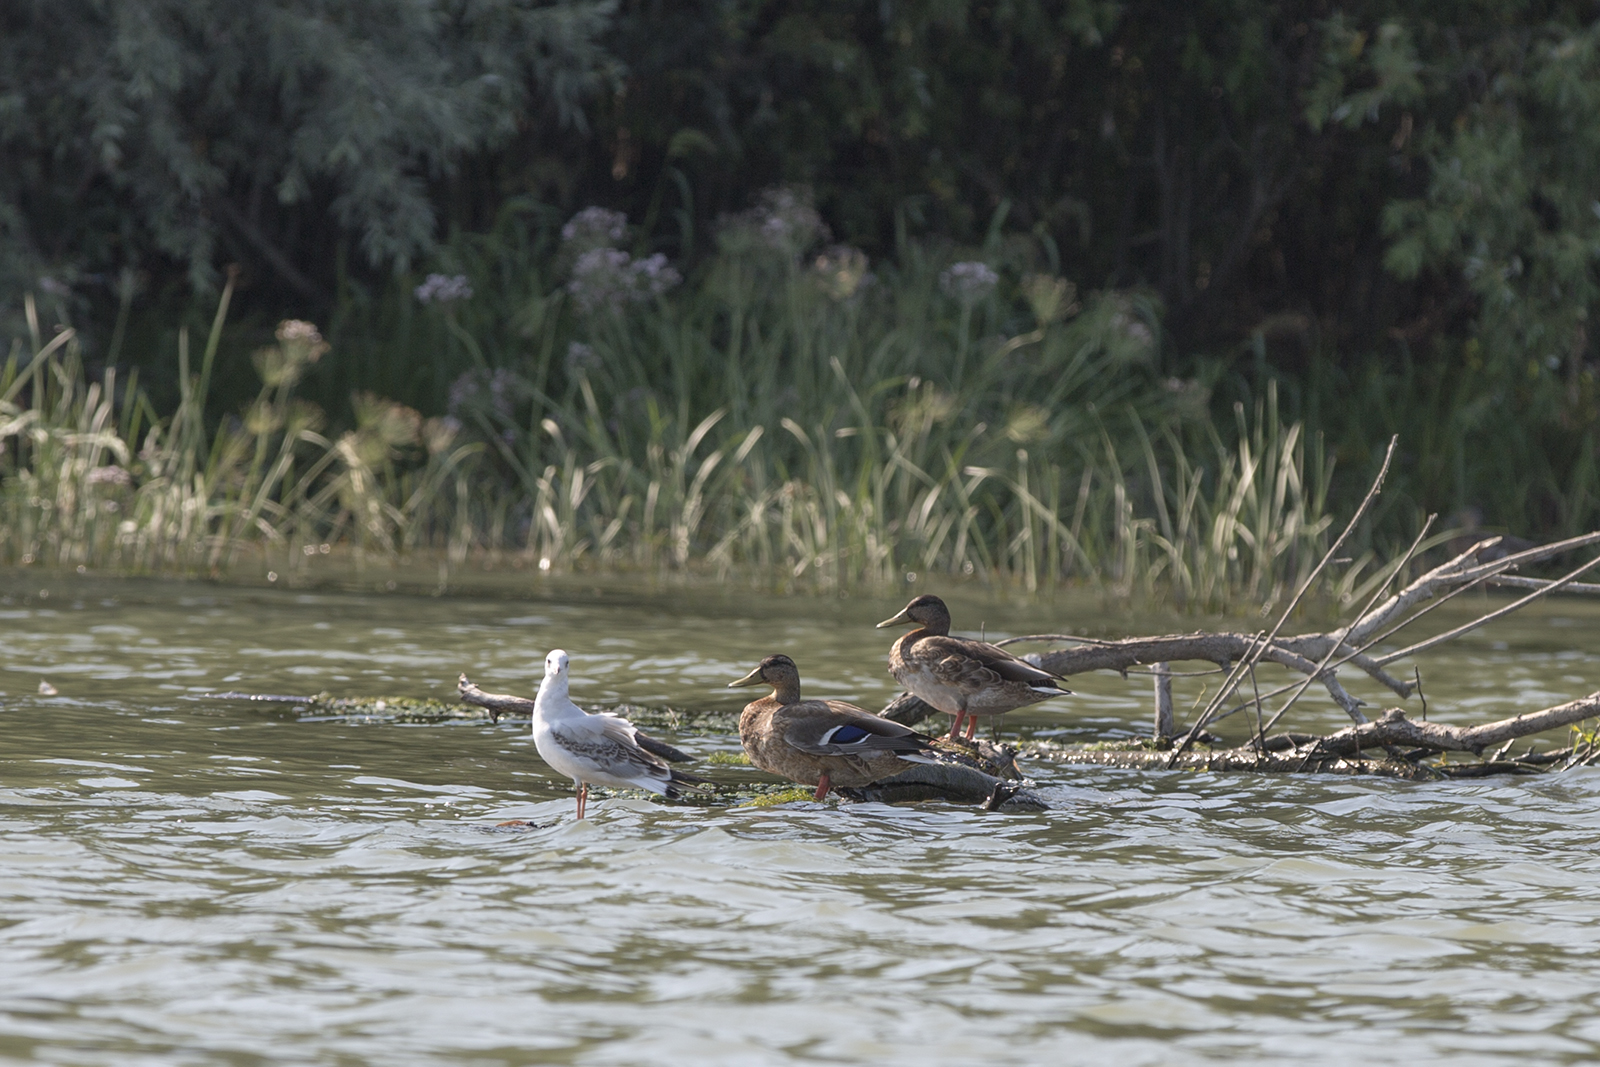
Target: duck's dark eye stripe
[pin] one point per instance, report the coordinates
(848, 735)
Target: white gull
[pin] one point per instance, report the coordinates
(599, 749)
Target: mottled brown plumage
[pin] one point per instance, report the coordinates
(961, 677)
(825, 743)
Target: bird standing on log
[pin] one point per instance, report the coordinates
(825, 743)
(599, 749)
(961, 677)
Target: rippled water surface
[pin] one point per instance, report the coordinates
(185, 880)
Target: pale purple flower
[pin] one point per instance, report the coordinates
(594, 227)
(581, 359)
(783, 220)
(610, 278)
(463, 391)
(968, 281)
(440, 289)
(497, 392)
(654, 274)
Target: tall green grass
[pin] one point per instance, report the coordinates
(773, 419)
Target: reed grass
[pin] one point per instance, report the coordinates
(758, 425)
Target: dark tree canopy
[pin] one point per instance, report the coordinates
(179, 134)
(1313, 178)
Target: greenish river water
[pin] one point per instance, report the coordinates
(185, 880)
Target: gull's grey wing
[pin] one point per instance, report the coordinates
(606, 744)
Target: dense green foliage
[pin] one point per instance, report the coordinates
(1391, 213)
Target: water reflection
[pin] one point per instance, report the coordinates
(188, 881)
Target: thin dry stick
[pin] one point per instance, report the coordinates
(1261, 735)
(1230, 683)
(1439, 603)
(1421, 645)
(1054, 637)
(1411, 650)
(1316, 572)
(1540, 583)
(1452, 572)
(1339, 640)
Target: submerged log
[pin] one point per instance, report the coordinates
(950, 781)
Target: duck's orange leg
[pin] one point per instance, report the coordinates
(823, 785)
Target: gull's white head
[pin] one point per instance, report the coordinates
(555, 663)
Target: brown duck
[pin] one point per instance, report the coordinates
(961, 677)
(825, 743)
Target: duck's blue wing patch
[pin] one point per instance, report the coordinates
(848, 735)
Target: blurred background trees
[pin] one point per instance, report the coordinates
(1392, 214)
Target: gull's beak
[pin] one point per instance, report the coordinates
(899, 620)
(753, 678)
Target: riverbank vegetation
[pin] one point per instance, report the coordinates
(783, 413)
(1039, 292)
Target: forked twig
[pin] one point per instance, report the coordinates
(1316, 572)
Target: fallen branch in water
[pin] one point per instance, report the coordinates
(1361, 749)
(1395, 729)
(1392, 745)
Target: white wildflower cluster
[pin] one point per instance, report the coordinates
(300, 344)
(968, 282)
(1133, 330)
(443, 289)
(298, 331)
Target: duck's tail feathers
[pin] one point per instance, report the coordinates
(921, 757)
(1051, 690)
